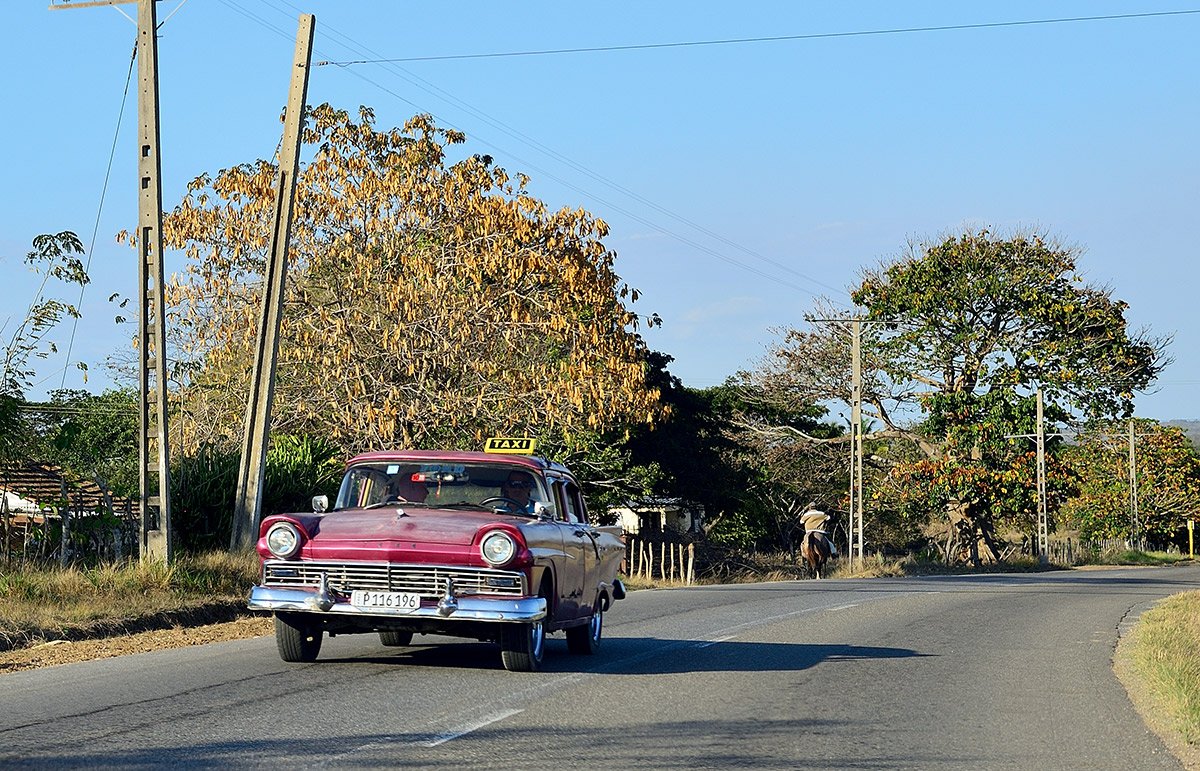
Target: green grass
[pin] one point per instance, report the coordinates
(1165, 654)
(41, 602)
(1131, 557)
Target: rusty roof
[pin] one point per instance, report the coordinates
(45, 484)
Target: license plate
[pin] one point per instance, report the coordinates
(397, 601)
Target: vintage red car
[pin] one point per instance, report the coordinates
(496, 547)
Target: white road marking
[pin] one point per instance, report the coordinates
(472, 726)
(845, 607)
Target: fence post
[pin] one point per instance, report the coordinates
(691, 549)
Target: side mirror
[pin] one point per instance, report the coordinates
(543, 511)
(320, 504)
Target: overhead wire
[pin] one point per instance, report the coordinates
(525, 138)
(435, 91)
(96, 226)
(771, 39)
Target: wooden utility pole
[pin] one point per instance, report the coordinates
(248, 503)
(154, 470)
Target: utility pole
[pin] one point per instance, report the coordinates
(856, 444)
(1043, 520)
(1135, 520)
(154, 470)
(248, 503)
(1136, 534)
(856, 536)
(1039, 436)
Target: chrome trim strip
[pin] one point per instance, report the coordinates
(468, 608)
(429, 581)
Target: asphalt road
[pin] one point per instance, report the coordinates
(1004, 671)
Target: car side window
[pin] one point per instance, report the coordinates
(557, 498)
(574, 503)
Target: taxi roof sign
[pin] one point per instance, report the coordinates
(516, 445)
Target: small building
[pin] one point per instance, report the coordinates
(659, 515)
(37, 496)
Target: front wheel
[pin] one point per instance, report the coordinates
(522, 646)
(586, 639)
(296, 639)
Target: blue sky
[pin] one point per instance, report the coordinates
(740, 181)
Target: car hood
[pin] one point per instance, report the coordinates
(407, 523)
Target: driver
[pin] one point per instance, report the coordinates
(518, 487)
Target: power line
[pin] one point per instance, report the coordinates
(437, 92)
(99, 210)
(771, 39)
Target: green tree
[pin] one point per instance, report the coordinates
(691, 447)
(53, 257)
(960, 333)
(721, 450)
(1168, 481)
(204, 482)
(93, 436)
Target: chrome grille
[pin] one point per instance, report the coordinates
(429, 581)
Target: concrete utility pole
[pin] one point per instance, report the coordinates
(856, 444)
(1136, 533)
(248, 503)
(154, 470)
(1043, 520)
(856, 535)
(1135, 519)
(1039, 436)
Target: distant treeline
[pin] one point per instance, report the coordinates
(1191, 429)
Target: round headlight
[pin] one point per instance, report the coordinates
(497, 547)
(283, 539)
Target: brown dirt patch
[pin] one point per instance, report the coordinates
(55, 652)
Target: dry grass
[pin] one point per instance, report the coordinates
(1160, 666)
(52, 602)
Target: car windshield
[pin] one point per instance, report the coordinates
(440, 483)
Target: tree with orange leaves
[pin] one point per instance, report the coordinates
(428, 303)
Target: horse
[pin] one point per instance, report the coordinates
(815, 550)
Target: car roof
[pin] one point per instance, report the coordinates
(458, 456)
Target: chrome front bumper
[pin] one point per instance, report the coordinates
(448, 608)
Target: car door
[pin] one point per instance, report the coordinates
(576, 546)
(583, 536)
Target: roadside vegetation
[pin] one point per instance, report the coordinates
(44, 603)
(1161, 668)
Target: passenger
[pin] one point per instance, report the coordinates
(409, 491)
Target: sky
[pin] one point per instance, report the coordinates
(741, 180)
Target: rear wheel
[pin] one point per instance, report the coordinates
(393, 639)
(522, 646)
(296, 639)
(586, 639)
